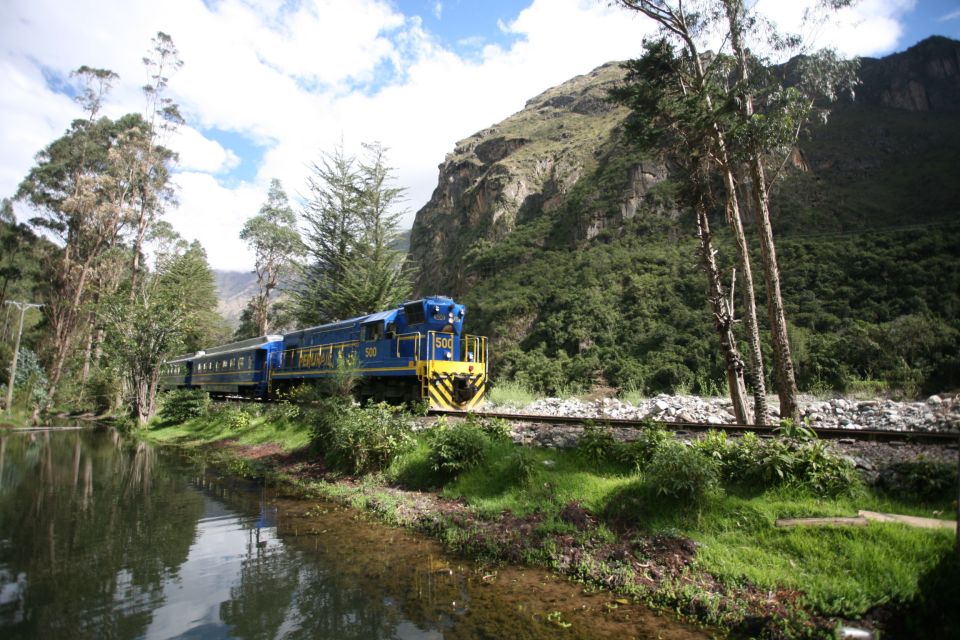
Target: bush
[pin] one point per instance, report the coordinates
(597, 445)
(456, 449)
(920, 478)
(522, 466)
(361, 440)
(184, 404)
(682, 472)
(801, 460)
(638, 453)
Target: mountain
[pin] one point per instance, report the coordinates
(567, 244)
(234, 290)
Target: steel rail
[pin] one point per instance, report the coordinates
(877, 435)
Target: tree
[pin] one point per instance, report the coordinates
(766, 133)
(273, 236)
(701, 128)
(742, 136)
(667, 113)
(146, 159)
(352, 266)
(172, 312)
(74, 191)
(331, 216)
(378, 278)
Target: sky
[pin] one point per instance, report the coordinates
(268, 86)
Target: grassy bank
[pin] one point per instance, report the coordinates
(691, 528)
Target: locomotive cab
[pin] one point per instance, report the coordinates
(451, 365)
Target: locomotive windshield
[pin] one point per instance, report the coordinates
(415, 313)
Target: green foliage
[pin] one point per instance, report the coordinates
(361, 440)
(183, 404)
(352, 266)
(801, 461)
(454, 449)
(638, 453)
(273, 236)
(597, 445)
(682, 472)
(30, 385)
(522, 467)
(921, 478)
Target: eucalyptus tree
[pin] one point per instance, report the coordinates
(745, 137)
(665, 113)
(276, 244)
(773, 130)
(700, 83)
(145, 158)
(75, 195)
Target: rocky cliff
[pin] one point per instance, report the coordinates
(528, 165)
(516, 171)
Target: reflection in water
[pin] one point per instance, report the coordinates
(101, 537)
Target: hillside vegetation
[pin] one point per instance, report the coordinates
(593, 278)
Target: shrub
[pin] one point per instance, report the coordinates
(184, 404)
(495, 428)
(682, 472)
(361, 440)
(456, 449)
(638, 453)
(802, 461)
(522, 466)
(597, 445)
(920, 478)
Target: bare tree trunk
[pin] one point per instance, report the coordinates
(783, 362)
(723, 321)
(757, 373)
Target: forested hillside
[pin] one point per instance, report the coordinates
(578, 262)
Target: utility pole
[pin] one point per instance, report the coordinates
(22, 306)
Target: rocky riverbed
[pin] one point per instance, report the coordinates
(936, 413)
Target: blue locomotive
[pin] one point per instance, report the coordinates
(415, 351)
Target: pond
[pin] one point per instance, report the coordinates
(105, 537)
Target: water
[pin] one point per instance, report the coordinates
(101, 537)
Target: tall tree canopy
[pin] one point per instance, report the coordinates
(743, 139)
(273, 236)
(351, 226)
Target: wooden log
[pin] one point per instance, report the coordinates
(858, 521)
(913, 521)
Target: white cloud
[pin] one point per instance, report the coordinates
(868, 27)
(198, 153)
(953, 15)
(297, 76)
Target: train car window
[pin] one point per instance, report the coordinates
(415, 314)
(373, 331)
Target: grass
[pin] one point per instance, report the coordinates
(511, 394)
(840, 571)
(843, 571)
(246, 424)
(16, 419)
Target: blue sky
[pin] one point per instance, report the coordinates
(268, 85)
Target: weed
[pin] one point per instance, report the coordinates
(682, 472)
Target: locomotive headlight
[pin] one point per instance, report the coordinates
(436, 308)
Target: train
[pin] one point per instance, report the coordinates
(416, 351)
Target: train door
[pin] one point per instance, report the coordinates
(374, 346)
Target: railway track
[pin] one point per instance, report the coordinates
(876, 435)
